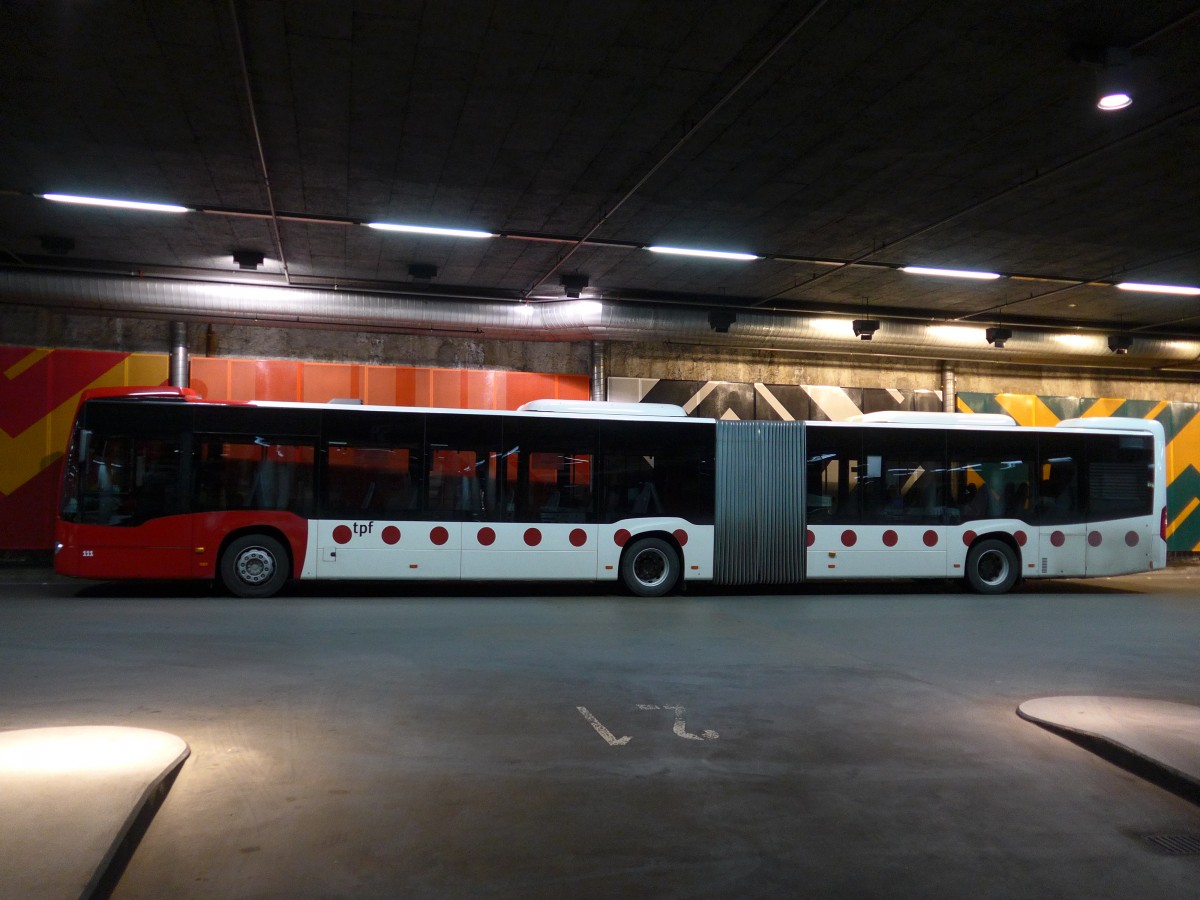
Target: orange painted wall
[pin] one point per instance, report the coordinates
(316, 382)
(40, 388)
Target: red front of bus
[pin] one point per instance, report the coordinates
(123, 508)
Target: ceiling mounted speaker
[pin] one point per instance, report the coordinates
(864, 329)
(998, 336)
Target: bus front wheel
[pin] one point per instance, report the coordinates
(650, 567)
(992, 567)
(254, 565)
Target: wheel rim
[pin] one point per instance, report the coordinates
(255, 565)
(993, 567)
(650, 568)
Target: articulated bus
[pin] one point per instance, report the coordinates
(160, 484)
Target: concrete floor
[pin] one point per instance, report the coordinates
(350, 743)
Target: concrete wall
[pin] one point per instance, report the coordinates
(30, 326)
(706, 363)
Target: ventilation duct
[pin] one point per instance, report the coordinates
(580, 320)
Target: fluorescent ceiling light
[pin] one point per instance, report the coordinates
(708, 254)
(429, 229)
(116, 204)
(949, 273)
(1160, 288)
(1119, 100)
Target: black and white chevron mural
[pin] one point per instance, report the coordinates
(743, 400)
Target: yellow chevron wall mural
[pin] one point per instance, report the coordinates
(1180, 420)
(39, 390)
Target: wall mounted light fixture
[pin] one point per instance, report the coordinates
(997, 336)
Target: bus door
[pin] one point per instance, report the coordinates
(375, 521)
(1062, 524)
(876, 502)
(402, 492)
(537, 515)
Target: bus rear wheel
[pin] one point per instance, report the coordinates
(992, 567)
(254, 565)
(650, 567)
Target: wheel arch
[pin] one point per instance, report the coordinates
(1003, 536)
(662, 536)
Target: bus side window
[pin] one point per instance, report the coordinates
(368, 482)
(465, 472)
(902, 479)
(991, 475)
(130, 480)
(1060, 466)
(835, 473)
(1120, 476)
(656, 469)
(241, 472)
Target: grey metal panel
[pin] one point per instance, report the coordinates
(760, 527)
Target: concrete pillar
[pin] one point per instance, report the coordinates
(179, 355)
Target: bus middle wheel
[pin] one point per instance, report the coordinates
(992, 567)
(650, 567)
(254, 565)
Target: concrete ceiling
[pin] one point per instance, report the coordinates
(837, 139)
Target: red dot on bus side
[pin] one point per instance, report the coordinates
(849, 538)
(439, 535)
(341, 534)
(486, 536)
(809, 537)
(681, 536)
(969, 537)
(533, 537)
(621, 537)
(391, 535)
(1020, 537)
(1132, 538)
(930, 538)
(1058, 539)
(1095, 539)
(578, 537)
(890, 538)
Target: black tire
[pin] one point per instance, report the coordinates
(254, 565)
(650, 567)
(992, 567)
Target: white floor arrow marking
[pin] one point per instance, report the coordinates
(680, 727)
(602, 731)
